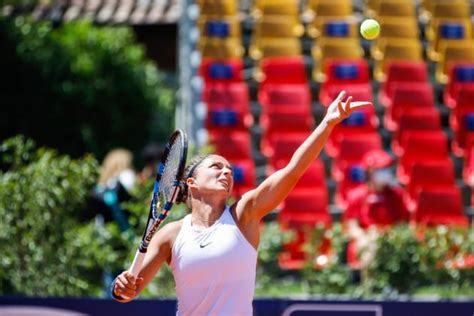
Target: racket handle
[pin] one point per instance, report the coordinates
(137, 263)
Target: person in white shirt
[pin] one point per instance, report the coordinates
(213, 251)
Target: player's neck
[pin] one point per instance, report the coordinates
(207, 213)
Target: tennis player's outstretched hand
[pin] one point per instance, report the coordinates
(339, 110)
(126, 286)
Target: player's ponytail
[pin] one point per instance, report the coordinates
(183, 196)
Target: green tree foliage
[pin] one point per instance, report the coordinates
(45, 251)
(80, 88)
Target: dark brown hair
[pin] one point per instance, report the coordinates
(189, 172)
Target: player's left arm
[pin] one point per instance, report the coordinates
(256, 203)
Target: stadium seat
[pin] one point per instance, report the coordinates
(280, 147)
(463, 132)
(224, 95)
(394, 27)
(275, 47)
(420, 146)
(463, 105)
(413, 120)
(283, 70)
(244, 176)
(288, 8)
(352, 149)
(429, 174)
(333, 48)
(285, 120)
(221, 48)
(358, 123)
(329, 8)
(396, 49)
(352, 76)
(452, 53)
(353, 176)
(398, 8)
(468, 167)
(285, 95)
(234, 146)
(219, 27)
(407, 96)
(333, 27)
(447, 31)
(401, 71)
(218, 8)
(440, 206)
(228, 118)
(275, 26)
(215, 71)
(459, 76)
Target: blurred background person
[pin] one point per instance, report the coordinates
(373, 206)
(116, 180)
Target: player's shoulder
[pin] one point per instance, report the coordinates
(172, 229)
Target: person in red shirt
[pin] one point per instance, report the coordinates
(376, 205)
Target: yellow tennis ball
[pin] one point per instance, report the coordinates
(370, 29)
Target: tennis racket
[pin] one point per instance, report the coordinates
(165, 190)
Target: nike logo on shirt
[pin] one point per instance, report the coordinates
(204, 245)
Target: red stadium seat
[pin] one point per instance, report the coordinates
(233, 146)
(244, 176)
(416, 119)
(286, 120)
(281, 146)
(313, 178)
(235, 94)
(353, 177)
(351, 76)
(440, 206)
(285, 95)
(213, 71)
(405, 97)
(302, 211)
(401, 71)
(283, 70)
(420, 146)
(459, 76)
(429, 174)
(359, 122)
(352, 149)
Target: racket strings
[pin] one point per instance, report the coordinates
(170, 173)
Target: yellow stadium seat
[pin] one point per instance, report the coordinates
(233, 23)
(334, 48)
(319, 26)
(435, 43)
(396, 49)
(450, 52)
(221, 48)
(278, 26)
(456, 9)
(218, 8)
(275, 7)
(394, 27)
(275, 47)
(329, 8)
(405, 8)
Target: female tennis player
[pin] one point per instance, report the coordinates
(212, 251)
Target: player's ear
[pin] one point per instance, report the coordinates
(190, 181)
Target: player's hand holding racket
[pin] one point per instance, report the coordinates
(165, 190)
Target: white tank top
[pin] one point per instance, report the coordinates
(214, 269)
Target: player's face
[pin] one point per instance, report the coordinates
(215, 174)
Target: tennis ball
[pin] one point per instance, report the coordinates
(370, 29)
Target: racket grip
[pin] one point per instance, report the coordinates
(137, 263)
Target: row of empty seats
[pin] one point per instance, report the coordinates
(405, 103)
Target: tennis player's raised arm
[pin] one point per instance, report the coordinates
(257, 203)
